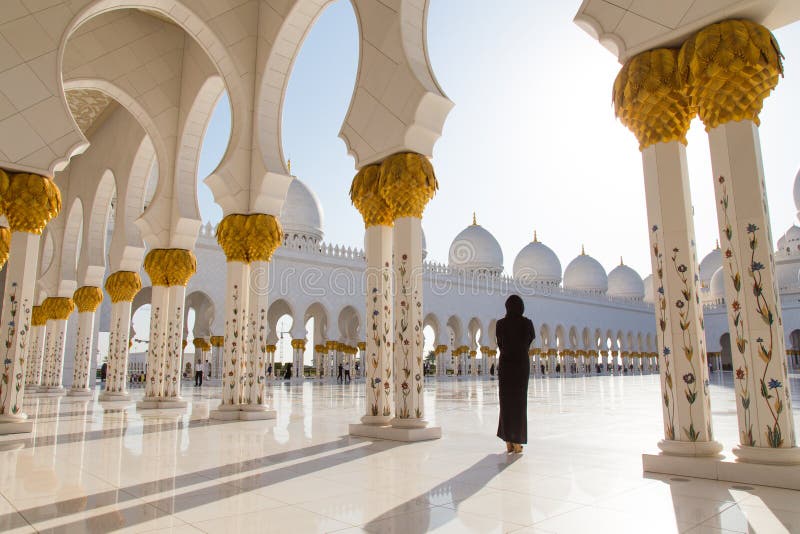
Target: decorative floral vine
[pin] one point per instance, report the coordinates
(668, 399)
(684, 307)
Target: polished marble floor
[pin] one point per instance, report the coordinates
(92, 467)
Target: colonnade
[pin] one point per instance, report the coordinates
(722, 74)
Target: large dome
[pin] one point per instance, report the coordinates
(585, 273)
(709, 266)
(624, 282)
(301, 213)
(537, 263)
(475, 248)
(649, 290)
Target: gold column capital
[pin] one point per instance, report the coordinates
(122, 286)
(729, 68)
(29, 201)
(299, 344)
(217, 341)
(407, 183)
(38, 316)
(649, 98)
(366, 196)
(5, 244)
(58, 308)
(87, 298)
(249, 238)
(170, 266)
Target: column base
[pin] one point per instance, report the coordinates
(376, 420)
(51, 391)
(724, 469)
(111, 396)
(392, 433)
(32, 389)
(15, 424)
(242, 412)
(690, 448)
(79, 392)
(768, 456)
(160, 403)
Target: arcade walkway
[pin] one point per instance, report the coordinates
(94, 468)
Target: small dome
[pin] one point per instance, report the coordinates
(537, 263)
(624, 282)
(476, 249)
(301, 212)
(709, 265)
(585, 273)
(649, 291)
(716, 289)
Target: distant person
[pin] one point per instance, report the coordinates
(198, 373)
(491, 370)
(515, 334)
(207, 369)
(339, 373)
(347, 373)
(269, 370)
(103, 371)
(287, 374)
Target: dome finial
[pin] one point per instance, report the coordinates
(535, 237)
(289, 166)
(717, 245)
(474, 219)
(583, 250)
(620, 261)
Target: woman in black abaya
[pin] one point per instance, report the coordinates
(514, 336)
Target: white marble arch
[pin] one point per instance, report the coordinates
(349, 321)
(432, 321)
(93, 252)
(204, 314)
(474, 329)
(70, 248)
(277, 309)
(319, 312)
(561, 337)
(454, 324)
(572, 336)
(546, 339)
(586, 339)
(491, 334)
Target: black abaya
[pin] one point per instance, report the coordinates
(514, 336)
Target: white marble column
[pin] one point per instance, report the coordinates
(35, 352)
(685, 399)
(236, 297)
(122, 287)
(87, 299)
(174, 349)
(58, 310)
(298, 349)
(256, 406)
(157, 346)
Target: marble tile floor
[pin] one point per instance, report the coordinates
(100, 467)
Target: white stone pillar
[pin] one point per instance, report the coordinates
(87, 299)
(21, 271)
(236, 297)
(271, 360)
(766, 425)
(35, 351)
(255, 405)
(660, 119)
(298, 350)
(157, 346)
(58, 310)
(122, 287)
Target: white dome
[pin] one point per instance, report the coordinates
(649, 291)
(709, 266)
(716, 289)
(537, 263)
(301, 212)
(475, 248)
(791, 243)
(796, 191)
(585, 273)
(624, 282)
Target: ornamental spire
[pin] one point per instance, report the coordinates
(583, 251)
(535, 237)
(474, 219)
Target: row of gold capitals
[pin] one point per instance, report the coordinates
(29, 202)
(722, 74)
(400, 186)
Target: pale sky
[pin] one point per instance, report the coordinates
(532, 142)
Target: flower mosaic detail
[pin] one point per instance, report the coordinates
(408, 329)
(17, 328)
(661, 313)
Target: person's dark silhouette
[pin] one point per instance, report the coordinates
(287, 374)
(515, 334)
(339, 373)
